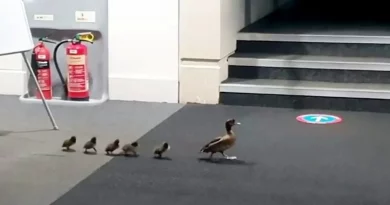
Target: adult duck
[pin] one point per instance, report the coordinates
(222, 143)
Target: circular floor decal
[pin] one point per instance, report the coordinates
(319, 119)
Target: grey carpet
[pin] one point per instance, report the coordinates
(280, 162)
(115, 118)
(34, 170)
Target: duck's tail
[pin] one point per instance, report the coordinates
(156, 150)
(203, 150)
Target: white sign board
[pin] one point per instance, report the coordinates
(15, 33)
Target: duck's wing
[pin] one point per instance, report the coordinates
(65, 143)
(127, 147)
(212, 143)
(88, 145)
(109, 147)
(156, 149)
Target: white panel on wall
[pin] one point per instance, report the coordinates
(144, 50)
(11, 62)
(200, 29)
(12, 75)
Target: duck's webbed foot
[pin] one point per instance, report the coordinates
(228, 157)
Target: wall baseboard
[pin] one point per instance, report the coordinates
(12, 82)
(130, 88)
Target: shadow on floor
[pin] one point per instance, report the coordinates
(4, 133)
(162, 158)
(28, 131)
(69, 150)
(224, 161)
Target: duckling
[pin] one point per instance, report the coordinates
(130, 148)
(69, 142)
(90, 145)
(159, 150)
(112, 147)
(221, 144)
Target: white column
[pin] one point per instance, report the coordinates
(208, 30)
(207, 36)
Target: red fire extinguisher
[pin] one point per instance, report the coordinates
(41, 54)
(78, 80)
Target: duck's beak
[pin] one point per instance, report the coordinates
(238, 123)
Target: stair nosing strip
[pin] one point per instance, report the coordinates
(371, 94)
(313, 38)
(311, 61)
(300, 87)
(298, 63)
(315, 35)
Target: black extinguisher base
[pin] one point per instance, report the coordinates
(79, 99)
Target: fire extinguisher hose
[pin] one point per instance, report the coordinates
(33, 62)
(64, 84)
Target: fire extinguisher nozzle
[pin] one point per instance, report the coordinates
(91, 42)
(45, 39)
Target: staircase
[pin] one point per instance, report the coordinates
(285, 61)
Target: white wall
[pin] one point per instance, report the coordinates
(143, 53)
(143, 50)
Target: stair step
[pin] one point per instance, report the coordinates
(306, 102)
(307, 61)
(300, 57)
(315, 37)
(315, 49)
(306, 88)
(306, 74)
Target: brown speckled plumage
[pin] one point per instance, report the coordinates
(112, 147)
(90, 145)
(69, 142)
(160, 150)
(130, 148)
